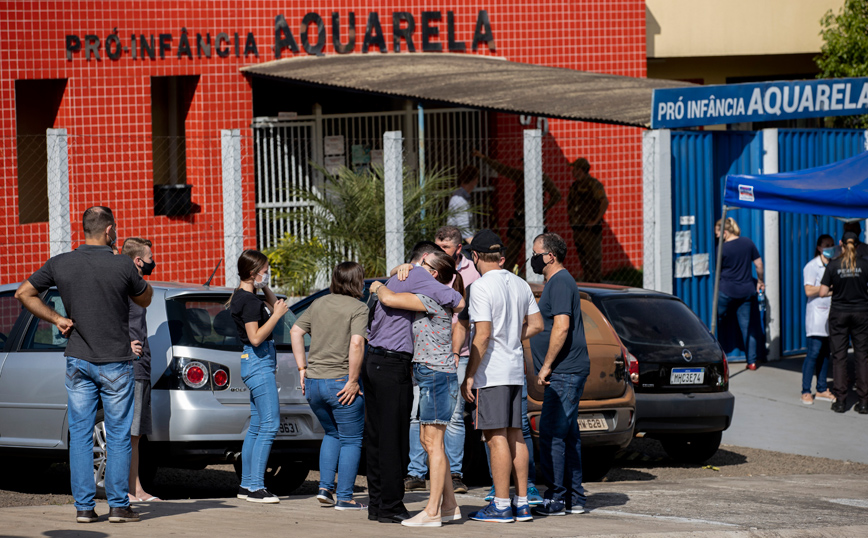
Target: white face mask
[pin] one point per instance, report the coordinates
(264, 282)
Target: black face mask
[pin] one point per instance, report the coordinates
(537, 263)
(148, 268)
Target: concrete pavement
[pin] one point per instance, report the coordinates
(790, 506)
(770, 415)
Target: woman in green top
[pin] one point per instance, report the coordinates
(329, 378)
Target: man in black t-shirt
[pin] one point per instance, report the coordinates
(846, 280)
(96, 288)
(560, 358)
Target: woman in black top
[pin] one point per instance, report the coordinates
(255, 318)
(846, 280)
(738, 289)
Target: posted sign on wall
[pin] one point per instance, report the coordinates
(765, 101)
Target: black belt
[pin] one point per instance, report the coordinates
(400, 355)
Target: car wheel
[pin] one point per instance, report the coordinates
(693, 448)
(596, 463)
(99, 453)
(282, 478)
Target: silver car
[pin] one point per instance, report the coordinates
(200, 405)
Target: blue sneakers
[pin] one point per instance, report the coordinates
(491, 514)
(490, 496)
(522, 513)
(533, 496)
(550, 508)
(350, 505)
(325, 497)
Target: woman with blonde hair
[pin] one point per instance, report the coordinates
(435, 371)
(738, 288)
(846, 280)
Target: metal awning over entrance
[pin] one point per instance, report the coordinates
(481, 82)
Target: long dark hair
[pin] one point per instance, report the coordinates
(445, 267)
(249, 263)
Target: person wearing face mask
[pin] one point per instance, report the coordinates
(560, 357)
(255, 318)
(817, 324)
(140, 251)
(96, 288)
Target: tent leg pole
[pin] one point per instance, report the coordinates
(717, 265)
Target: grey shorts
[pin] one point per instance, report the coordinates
(142, 410)
(497, 407)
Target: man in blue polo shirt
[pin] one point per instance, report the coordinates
(560, 357)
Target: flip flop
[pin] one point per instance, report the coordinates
(151, 498)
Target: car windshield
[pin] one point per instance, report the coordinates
(198, 321)
(655, 321)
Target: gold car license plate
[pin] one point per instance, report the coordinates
(592, 422)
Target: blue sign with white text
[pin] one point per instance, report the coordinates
(764, 101)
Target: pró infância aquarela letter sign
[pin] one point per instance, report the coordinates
(764, 101)
(422, 34)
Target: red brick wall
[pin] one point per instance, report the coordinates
(106, 108)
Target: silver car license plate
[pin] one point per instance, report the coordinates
(687, 376)
(288, 427)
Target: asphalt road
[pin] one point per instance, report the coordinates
(769, 415)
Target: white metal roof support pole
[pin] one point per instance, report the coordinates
(393, 168)
(233, 216)
(533, 196)
(59, 224)
(657, 248)
(772, 252)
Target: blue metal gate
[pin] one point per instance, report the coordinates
(700, 162)
(799, 149)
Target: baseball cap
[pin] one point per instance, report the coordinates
(486, 241)
(848, 236)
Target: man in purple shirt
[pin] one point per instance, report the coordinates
(387, 378)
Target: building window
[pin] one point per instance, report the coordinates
(170, 102)
(36, 105)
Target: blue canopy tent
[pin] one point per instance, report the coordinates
(839, 189)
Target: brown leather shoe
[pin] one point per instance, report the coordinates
(86, 516)
(123, 514)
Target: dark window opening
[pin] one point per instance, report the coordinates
(37, 103)
(171, 98)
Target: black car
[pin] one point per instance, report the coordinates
(678, 369)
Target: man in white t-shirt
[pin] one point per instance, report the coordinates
(504, 313)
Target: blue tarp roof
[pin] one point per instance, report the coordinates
(839, 189)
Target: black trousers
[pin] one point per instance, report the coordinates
(388, 399)
(843, 326)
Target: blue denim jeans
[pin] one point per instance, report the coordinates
(454, 438)
(344, 427)
(559, 442)
(746, 310)
(258, 365)
(528, 440)
(438, 392)
(816, 362)
(86, 384)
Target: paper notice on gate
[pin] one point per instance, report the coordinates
(684, 267)
(377, 157)
(683, 242)
(334, 164)
(700, 265)
(333, 145)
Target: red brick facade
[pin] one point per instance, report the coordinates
(106, 108)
